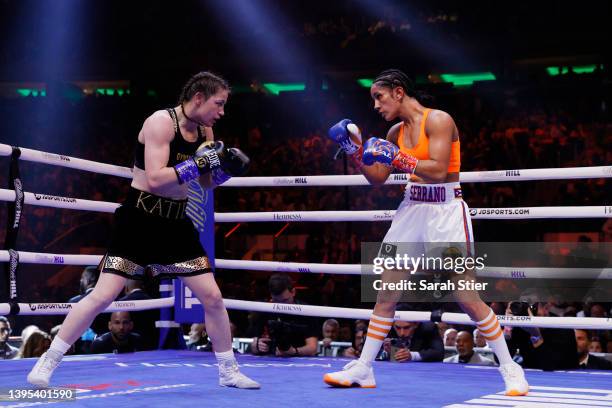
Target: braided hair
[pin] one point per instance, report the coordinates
(392, 78)
(205, 82)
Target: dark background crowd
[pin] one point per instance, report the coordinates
(525, 118)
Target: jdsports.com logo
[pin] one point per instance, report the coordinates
(500, 211)
(472, 211)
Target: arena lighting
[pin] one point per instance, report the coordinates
(365, 82)
(581, 69)
(25, 92)
(277, 87)
(112, 91)
(260, 26)
(467, 78)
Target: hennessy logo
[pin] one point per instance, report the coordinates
(158, 206)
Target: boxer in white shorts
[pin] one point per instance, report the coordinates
(424, 144)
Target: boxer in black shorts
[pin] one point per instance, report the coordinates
(152, 235)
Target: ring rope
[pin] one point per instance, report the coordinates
(37, 309)
(566, 173)
(593, 323)
(336, 269)
(452, 318)
(387, 215)
(38, 156)
(46, 200)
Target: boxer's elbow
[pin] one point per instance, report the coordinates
(437, 173)
(376, 180)
(376, 174)
(157, 180)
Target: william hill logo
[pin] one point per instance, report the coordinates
(300, 180)
(518, 275)
(513, 173)
(400, 177)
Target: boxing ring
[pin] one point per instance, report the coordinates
(183, 378)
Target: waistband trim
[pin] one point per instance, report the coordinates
(432, 193)
(156, 205)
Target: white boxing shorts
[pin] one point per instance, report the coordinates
(430, 214)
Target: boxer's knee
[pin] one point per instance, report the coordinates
(213, 299)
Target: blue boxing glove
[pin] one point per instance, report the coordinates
(347, 135)
(382, 151)
(377, 150)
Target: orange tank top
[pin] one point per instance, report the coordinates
(421, 150)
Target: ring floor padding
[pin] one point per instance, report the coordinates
(173, 379)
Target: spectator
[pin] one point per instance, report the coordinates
(465, 351)
(586, 360)
(198, 339)
(414, 342)
(7, 351)
(120, 338)
(358, 340)
(450, 337)
(281, 334)
(144, 321)
(331, 331)
(36, 344)
(544, 349)
(479, 339)
(595, 346)
(27, 331)
(89, 278)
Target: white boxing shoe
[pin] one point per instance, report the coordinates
(514, 377)
(43, 369)
(230, 376)
(354, 374)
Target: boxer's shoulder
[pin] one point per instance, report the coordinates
(159, 126)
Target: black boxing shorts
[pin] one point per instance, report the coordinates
(152, 236)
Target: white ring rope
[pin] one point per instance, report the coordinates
(325, 311)
(387, 215)
(453, 318)
(566, 173)
(601, 211)
(37, 156)
(37, 309)
(45, 200)
(335, 269)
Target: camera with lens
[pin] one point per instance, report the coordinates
(285, 335)
(519, 308)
